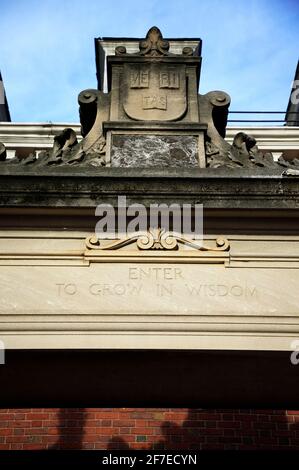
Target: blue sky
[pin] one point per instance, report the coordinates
(250, 48)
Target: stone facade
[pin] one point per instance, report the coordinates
(123, 321)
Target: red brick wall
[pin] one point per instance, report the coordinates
(148, 428)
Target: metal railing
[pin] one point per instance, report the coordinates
(263, 120)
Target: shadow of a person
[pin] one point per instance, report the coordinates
(71, 429)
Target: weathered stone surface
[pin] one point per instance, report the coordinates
(154, 150)
(245, 153)
(225, 189)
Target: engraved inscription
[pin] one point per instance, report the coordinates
(156, 281)
(154, 91)
(163, 290)
(221, 290)
(121, 289)
(154, 102)
(169, 78)
(155, 273)
(69, 289)
(114, 289)
(153, 288)
(139, 78)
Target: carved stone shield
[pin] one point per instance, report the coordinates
(155, 91)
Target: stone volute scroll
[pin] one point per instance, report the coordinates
(155, 244)
(156, 239)
(2, 152)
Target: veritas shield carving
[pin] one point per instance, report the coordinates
(155, 92)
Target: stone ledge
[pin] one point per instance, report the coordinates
(137, 172)
(81, 187)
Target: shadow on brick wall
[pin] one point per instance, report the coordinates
(201, 429)
(71, 429)
(223, 429)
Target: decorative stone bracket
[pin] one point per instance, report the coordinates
(157, 243)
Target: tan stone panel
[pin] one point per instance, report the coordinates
(57, 293)
(150, 288)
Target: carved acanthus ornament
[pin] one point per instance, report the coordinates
(152, 46)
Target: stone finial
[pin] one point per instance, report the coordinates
(154, 44)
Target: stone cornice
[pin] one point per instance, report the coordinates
(83, 188)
